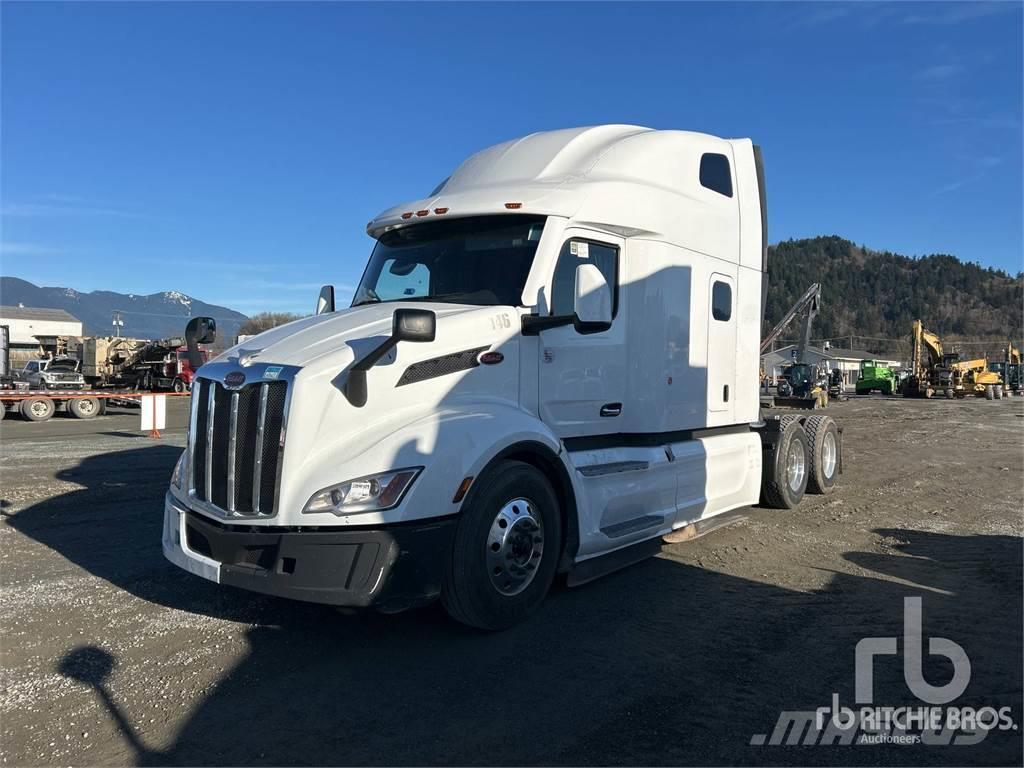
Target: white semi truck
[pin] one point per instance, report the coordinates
(551, 362)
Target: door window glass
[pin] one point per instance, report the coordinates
(574, 253)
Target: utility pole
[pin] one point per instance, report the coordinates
(117, 323)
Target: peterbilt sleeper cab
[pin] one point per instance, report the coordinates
(550, 363)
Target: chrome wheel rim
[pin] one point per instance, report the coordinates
(40, 408)
(828, 454)
(796, 465)
(515, 545)
(85, 405)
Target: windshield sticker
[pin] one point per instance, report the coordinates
(583, 250)
(273, 372)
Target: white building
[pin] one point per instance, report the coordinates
(846, 360)
(27, 323)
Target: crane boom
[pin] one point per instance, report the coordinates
(811, 302)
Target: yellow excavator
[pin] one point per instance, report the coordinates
(931, 370)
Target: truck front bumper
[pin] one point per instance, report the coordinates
(388, 567)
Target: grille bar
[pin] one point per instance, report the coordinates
(257, 471)
(236, 438)
(211, 405)
(232, 449)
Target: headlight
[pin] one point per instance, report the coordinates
(365, 494)
(178, 470)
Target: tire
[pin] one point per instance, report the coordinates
(779, 489)
(84, 408)
(990, 393)
(824, 448)
(178, 386)
(999, 391)
(37, 408)
(3, 410)
(487, 583)
(949, 394)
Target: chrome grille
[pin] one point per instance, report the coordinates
(235, 444)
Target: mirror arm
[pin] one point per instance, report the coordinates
(586, 329)
(355, 386)
(534, 324)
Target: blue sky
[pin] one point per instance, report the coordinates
(235, 152)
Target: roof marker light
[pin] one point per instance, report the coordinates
(440, 211)
(424, 212)
(407, 215)
(513, 206)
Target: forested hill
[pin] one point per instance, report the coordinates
(869, 293)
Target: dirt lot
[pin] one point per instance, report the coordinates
(111, 655)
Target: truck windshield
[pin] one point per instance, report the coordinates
(475, 260)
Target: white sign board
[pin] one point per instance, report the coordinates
(154, 412)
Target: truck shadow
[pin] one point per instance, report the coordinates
(663, 663)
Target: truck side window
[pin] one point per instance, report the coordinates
(715, 173)
(574, 253)
(721, 301)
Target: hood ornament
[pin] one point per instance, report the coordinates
(247, 356)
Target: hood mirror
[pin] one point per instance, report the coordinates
(325, 302)
(200, 330)
(407, 324)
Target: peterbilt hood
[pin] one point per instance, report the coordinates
(338, 334)
(331, 342)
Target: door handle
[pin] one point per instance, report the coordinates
(611, 409)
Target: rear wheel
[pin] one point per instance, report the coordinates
(506, 548)
(785, 479)
(84, 407)
(37, 408)
(999, 391)
(990, 392)
(823, 445)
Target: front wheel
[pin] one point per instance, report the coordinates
(178, 386)
(506, 548)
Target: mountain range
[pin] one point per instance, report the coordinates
(875, 296)
(155, 316)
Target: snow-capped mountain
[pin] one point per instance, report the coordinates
(155, 316)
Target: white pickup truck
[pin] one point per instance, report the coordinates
(55, 373)
(550, 364)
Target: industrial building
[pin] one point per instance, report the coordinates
(25, 324)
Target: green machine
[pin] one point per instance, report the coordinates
(875, 376)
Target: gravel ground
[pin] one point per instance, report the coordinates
(112, 656)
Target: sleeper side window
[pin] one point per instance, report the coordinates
(721, 301)
(574, 253)
(715, 173)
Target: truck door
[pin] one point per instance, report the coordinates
(582, 382)
(721, 349)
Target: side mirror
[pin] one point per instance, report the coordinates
(593, 300)
(325, 302)
(200, 330)
(413, 325)
(406, 325)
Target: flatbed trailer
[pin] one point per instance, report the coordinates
(42, 404)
